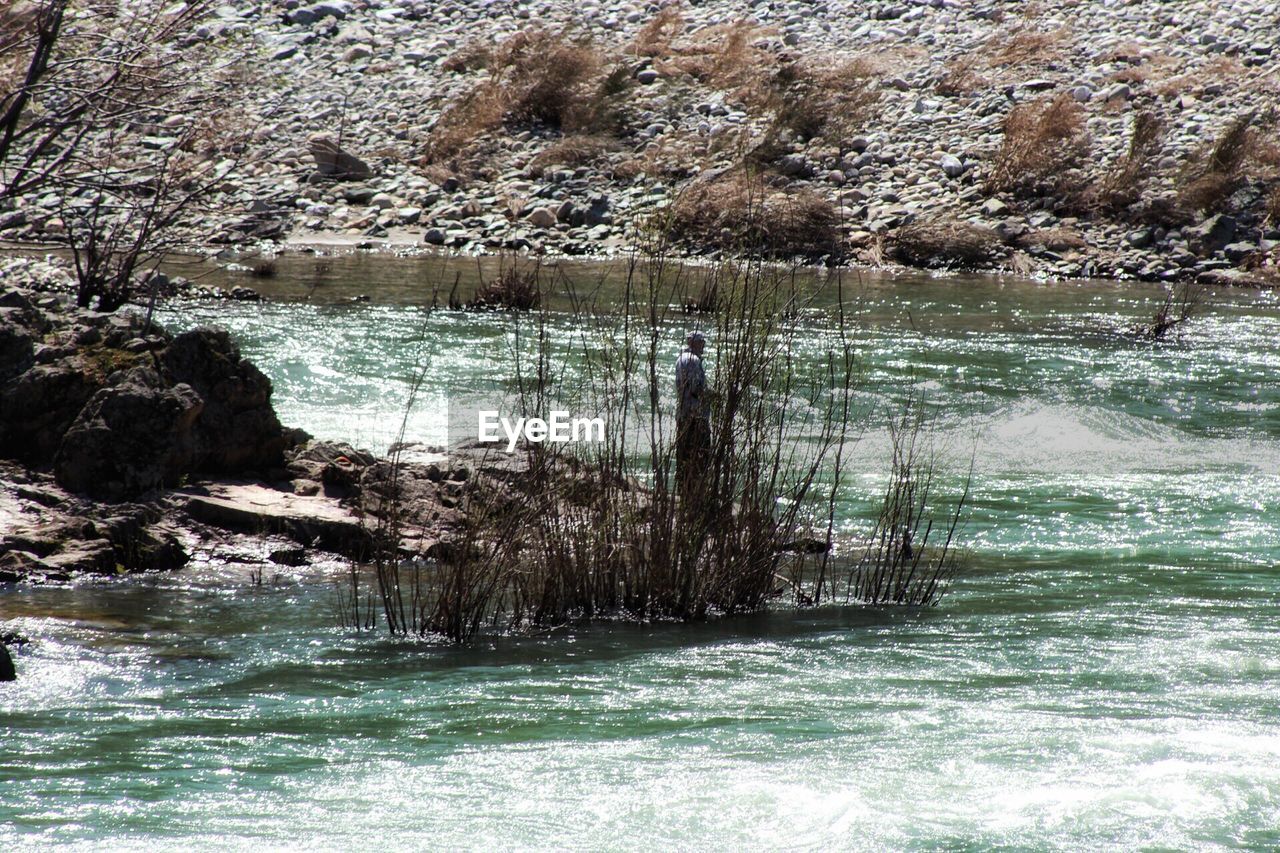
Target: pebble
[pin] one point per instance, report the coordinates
(952, 166)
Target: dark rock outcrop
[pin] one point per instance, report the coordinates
(237, 428)
(38, 407)
(132, 436)
(48, 534)
(119, 407)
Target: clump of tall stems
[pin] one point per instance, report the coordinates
(606, 529)
(912, 555)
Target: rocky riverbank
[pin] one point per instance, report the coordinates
(122, 445)
(1059, 138)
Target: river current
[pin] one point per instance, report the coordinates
(1104, 673)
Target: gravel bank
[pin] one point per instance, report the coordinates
(914, 177)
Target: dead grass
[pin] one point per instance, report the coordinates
(1043, 141)
(740, 212)
(960, 77)
(723, 56)
(1223, 72)
(1121, 186)
(673, 157)
(1212, 178)
(476, 113)
(655, 37)
(1021, 46)
(946, 243)
(1025, 45)
(817, 97)
(573, 151)
(548, 77)
(469, 57)
(536, 77)
(1059, 239)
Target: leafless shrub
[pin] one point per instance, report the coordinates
(912, 554)
(604, 532)
(1180, 305)
(125, 115)
(946, 243)
(515, 288)
(1043, 141)
(737, 211)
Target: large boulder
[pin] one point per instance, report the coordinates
(132, 436)
(237, 429)
(1212, 234)
(333, 162)
(37, 408)
(119, 407)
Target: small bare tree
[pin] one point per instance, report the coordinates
(120, 111)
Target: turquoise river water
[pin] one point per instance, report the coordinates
(1105, 673)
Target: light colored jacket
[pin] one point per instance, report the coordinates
(691, 387)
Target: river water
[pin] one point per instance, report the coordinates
(1106, 671)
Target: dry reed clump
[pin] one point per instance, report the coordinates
(1122, 185)
(1043, 141)
(834, 100)
(537, 76)
(548, 77)
(1025, 44)
(724, 56)
(946, 243)
(1058, 239)
(807, 97)
(739, 212)
(960, 77)
(466, 120)
(513, 289)
(1234, 157)
(655, 37)
(469, 57)
(1273, 206)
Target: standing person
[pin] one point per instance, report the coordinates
(693, 425)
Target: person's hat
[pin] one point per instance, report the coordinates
(696, 336)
